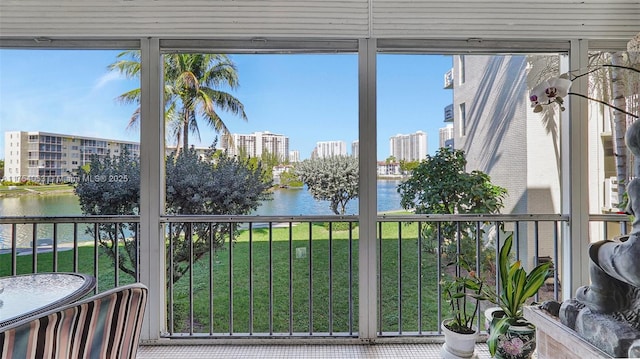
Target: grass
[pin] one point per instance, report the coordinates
(328, 300)
(22, 190)
(267, 297)
(105, 275)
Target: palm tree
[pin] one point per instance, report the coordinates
(193, 89)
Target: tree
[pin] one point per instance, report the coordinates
(1, 169)
(408, 166)
(111, 186)
(333, 179)
(214, 185)
(193, 89)
(267, 160)
(290, 179)
(441, 185)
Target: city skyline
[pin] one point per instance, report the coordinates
(310, 98)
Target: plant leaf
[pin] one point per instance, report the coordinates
(504, 258)
(498, 328)
(536, 279)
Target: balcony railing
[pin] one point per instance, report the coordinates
(448, 113)
(290, 276)
(448, 79)
(74, 244)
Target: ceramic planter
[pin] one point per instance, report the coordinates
(457, 345)
(519, 342)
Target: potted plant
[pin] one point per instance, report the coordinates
(510, 335)
(461, 293)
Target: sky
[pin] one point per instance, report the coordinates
(306, 97)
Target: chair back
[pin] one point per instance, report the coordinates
(106, 325)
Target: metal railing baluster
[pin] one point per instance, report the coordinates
(189, 237)
(54, 247)
(439, 274)
(556, 294)
(75, 247)
(380, 274)
(211, 276)
(116, 258)
(230, 305)
(170, 280)
(310, 278)
(399, 277)
(516, 240)
(330, 264)
(14, 249)
(251, 278)
(536, 230)
(350, 278)
(270, 278)
(420, 314)
(34, 248)
(96, 246)
(290, 278)
(478, 266)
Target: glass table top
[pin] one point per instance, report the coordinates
(29, 294)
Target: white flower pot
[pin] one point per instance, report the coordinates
(457, 345)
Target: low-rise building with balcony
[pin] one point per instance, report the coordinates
(46, 157)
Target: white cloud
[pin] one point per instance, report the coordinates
(106, 79)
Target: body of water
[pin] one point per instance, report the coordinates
(298, 201)
(286, 202)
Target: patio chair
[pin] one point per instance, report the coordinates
(106, 325)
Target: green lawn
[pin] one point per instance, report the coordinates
(105, 271)
(328, 292)
(20, 190)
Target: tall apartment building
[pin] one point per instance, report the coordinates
(502, 137)
(355, 148)
(294, 156)
(411, 147)
(330, 148)
(257, 143)
(51, 157)
(446, 136)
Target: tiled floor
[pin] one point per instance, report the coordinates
(314, 351)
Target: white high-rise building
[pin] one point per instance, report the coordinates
(411, 147)
(355, 148)
(257, 143)
(294, 156)
(330, 148)
(52, 157)
(446, 136)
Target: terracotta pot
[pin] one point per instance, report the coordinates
(457, 345)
